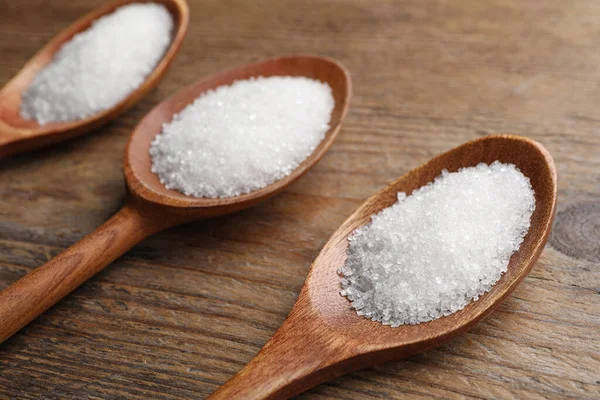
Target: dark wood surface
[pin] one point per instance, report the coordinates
(182, 312)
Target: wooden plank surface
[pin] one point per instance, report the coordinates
(183, 311)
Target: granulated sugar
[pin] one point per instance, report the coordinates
(431, 253)
(100, 66)
(239, 138)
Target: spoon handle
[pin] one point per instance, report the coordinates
(40, 289)
(300, 355)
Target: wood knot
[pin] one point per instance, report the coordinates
(576, 231)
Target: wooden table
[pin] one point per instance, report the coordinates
(186, 309)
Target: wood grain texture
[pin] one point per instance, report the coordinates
(185, 310)
(30, 296)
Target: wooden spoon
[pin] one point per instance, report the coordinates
(323, 337)
(19, 135)
(150, 207)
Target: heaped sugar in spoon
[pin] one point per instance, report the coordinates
(91, 72)
(423, 257)
(150, 206)
(242, 137)
(324, 337)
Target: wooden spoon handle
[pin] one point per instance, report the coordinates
(39, 290)
(296, 358)
(272, 374)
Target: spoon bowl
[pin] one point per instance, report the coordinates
(18, 134)
(146, 185)
(324, 337)
(150, 207)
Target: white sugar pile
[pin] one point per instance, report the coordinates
(101, 66)
(239, 138)
(431, 253)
